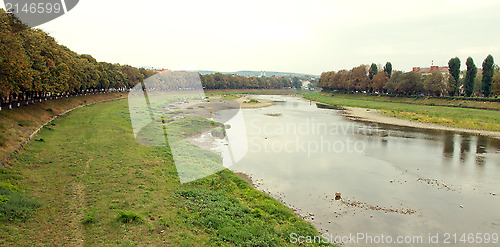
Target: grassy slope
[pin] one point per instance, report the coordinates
(443, 115)
(16, 125)
(88, 168)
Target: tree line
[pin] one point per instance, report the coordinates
(457, 83)
(34, 67)
(228, 81)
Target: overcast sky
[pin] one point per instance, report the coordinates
(289, 36)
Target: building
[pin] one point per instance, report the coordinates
(427, 71)
(159, 70)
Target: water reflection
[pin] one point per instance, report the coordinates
(481, 144)
(449, 146)
(465, 147)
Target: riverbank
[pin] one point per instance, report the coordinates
(374, 116)
(97, 191)
(474, 121)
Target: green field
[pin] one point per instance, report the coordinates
(85, 180)
(436, 111)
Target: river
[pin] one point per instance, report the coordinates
(394, 181)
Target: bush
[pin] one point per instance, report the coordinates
(252, 101)
(89, 217)
(128, 216)
(218, 132)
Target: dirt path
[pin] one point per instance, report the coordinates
(77, 207)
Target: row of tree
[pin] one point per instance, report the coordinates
(33, 66)
(228, 81)
(361, 78)
(369, 79)
(489, 82)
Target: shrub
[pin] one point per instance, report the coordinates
(89, 217)
(218, 132)
(128, 216)
(252, 101)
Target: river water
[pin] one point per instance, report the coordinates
(394, 181)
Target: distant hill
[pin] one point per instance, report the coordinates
(243, 72)
(256, 73)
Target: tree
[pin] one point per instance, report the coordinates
(296, 82)
(452, 86)
(388, 69)
(373, 71)
(405, 83)
(434, 84)
(496, 84)
(379, 81)
(488, 72)
(358, 78)
(454, 69)
(411, 83)
(470, 76)
(392, 84)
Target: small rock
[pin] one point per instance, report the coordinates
(461, 206)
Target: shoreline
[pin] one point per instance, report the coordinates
(308, 217)
(373, 116)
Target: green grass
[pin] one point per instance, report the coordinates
(15, 205)
(477, 119)
(89, 176)
(230, 96)
(252, 101)
(23, 123)
(422, 100)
